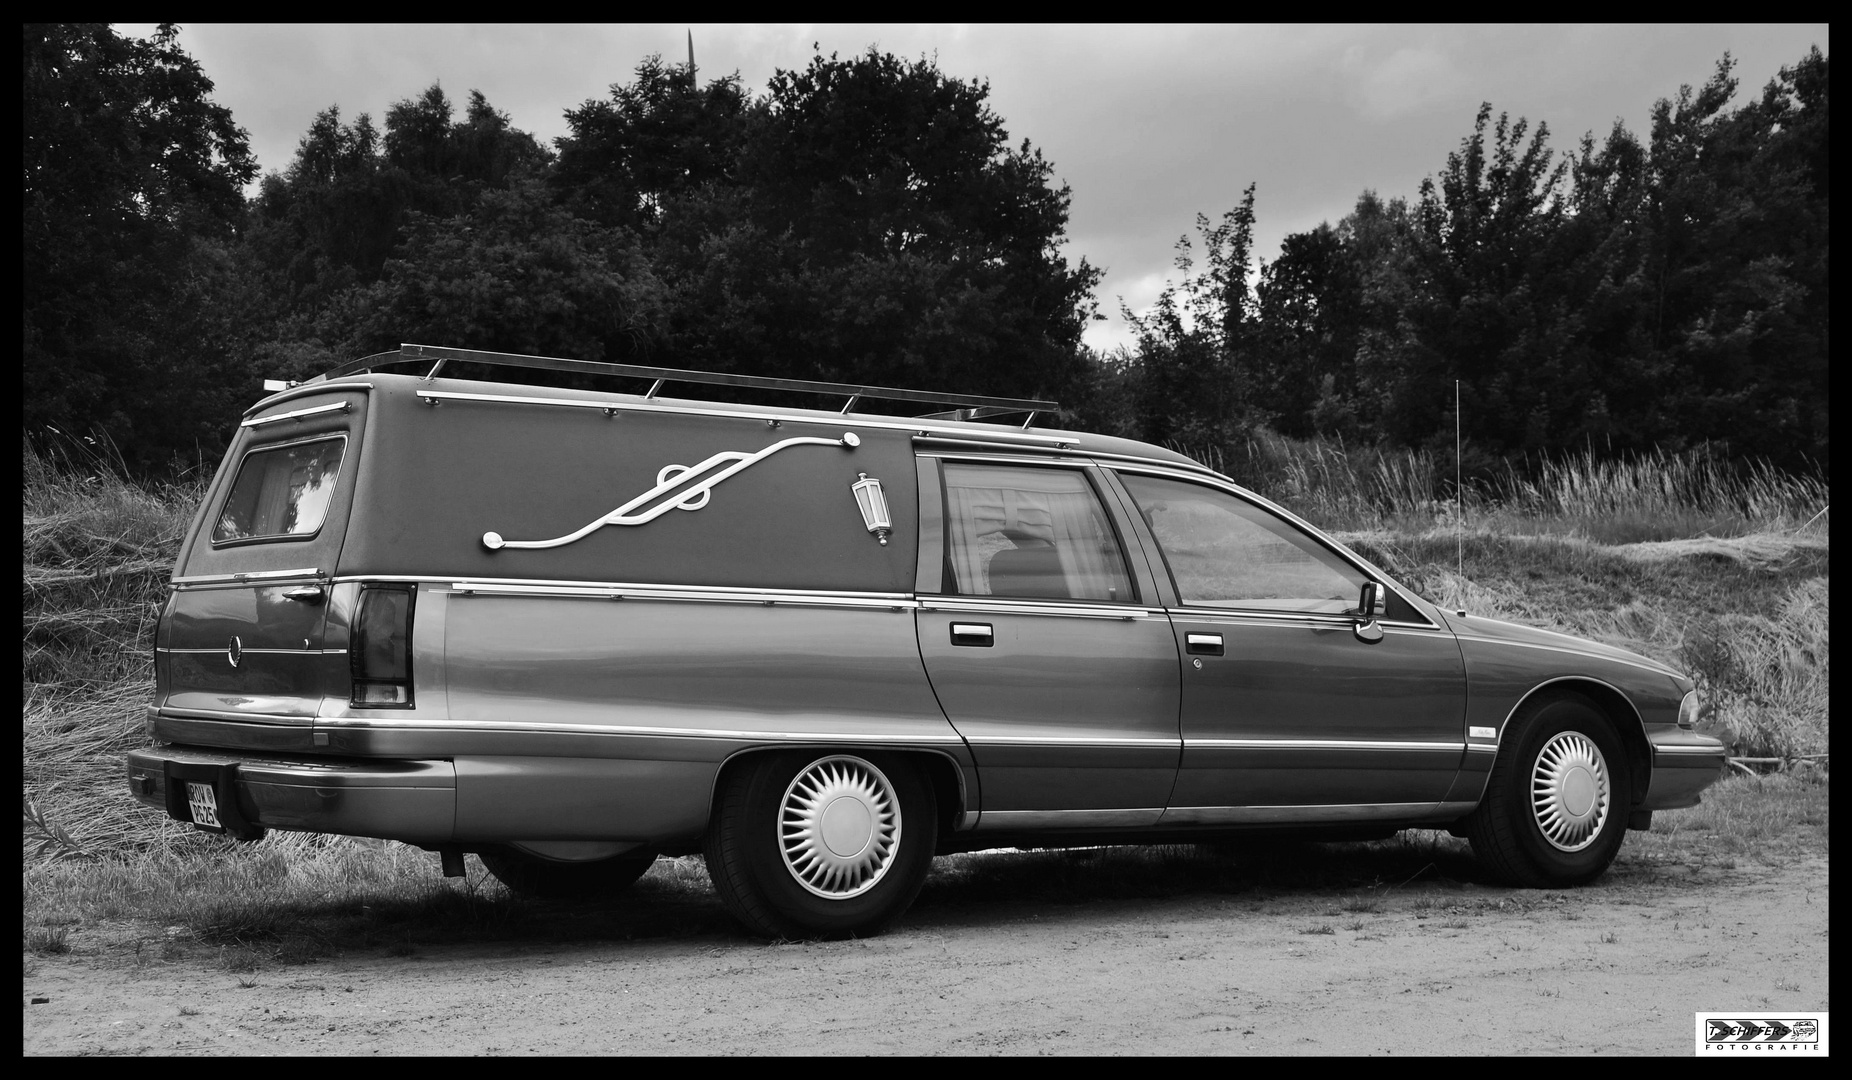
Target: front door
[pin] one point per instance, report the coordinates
(1058, 673)
(1288, 714)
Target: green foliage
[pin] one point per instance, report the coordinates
(129, 168)
(1196, 349)
(866, 221)
(515, 274)
(1627, 298)
(655, 140)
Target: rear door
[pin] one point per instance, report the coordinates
(242, 636)
(1043, 646)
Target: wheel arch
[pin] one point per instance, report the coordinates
(1621, 713)
(940, 768)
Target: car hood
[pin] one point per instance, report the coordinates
(1499, 630)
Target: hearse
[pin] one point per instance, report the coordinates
(571, 630)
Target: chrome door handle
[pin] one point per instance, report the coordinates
(307, 594)
(1203, 644)
(973, 634)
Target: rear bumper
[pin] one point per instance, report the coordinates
(1684, 764)
(413, 801)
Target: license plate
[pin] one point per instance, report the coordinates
(203, 801)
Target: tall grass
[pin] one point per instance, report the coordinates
(98, 552)
(1656, 496)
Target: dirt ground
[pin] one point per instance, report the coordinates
(1437, 966)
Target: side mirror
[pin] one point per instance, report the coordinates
(1372, 601)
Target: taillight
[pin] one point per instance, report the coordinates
(380, 651)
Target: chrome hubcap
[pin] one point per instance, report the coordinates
(1569, 791)
(839, 827)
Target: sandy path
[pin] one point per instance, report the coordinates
(1453, 968)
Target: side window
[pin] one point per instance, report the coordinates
(1029, 532)
(281, 491)
(1225, 552)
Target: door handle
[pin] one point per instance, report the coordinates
(307, 594)
(1203, 644)
(974, 634)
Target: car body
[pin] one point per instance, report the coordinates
(572, 629)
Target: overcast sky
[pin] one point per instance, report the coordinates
(1149, 125)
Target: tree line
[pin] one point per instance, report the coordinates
(869, 219)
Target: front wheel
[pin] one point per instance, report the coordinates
(812, 844)
(1556, 805)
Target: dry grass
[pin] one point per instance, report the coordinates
(1657, 496)
(98, 552)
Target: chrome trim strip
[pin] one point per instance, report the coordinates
(1000, 455)
(1109, 458)
(1643, 664)
(438, 727)
(304, 391)
(1318, 618)
(1000, 606)
(993, 820)
(1329, 813)
(1075, 740)
(1484, 748)
(1316, 744)
(242, 651)
(1007, 437)
(638, 588)
(275, 719)
(259, 421)
(254, 575)
(1027, 442)
(693, 594)
(1678, 748)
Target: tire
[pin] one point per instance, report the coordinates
(545, 879)
(1556, 805)
(821, 844)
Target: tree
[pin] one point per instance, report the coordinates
(515, 274)
(1197, 353)
(1736, 261)
(128, 164)
(866, 220)
(655, 140)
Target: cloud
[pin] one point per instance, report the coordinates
(1406, 81)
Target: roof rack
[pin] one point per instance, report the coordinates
(966, 406)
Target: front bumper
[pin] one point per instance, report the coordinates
(412, 801)
(1684, 764)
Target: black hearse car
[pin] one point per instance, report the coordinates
(572, 630)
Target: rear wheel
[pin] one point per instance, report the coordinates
(1556, 805)
(546, 879)
(811, 844)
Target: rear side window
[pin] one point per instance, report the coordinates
(1030, 532)
(282, 492)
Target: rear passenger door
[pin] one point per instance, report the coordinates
(1044, 645)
